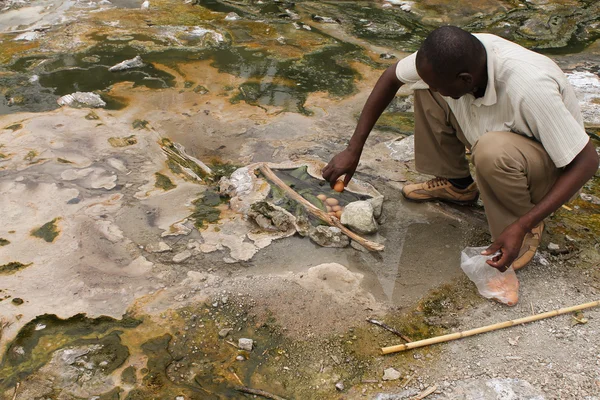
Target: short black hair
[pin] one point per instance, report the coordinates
(450, 51)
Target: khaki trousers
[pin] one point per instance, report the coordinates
(513, 172)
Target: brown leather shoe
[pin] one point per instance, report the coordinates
(530, 244)
(440, 189)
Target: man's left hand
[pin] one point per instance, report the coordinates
(509, 244)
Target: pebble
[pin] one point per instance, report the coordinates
(339, 386)
(246, 344)
(224, 332)
(240, 358)
(390, 374)
(553, 246)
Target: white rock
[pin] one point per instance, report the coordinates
(135, 62)
(553, 246)
(358, 216)
(181, 257)
(339, 386)
(240, 358)
(28, 36)
(81, 100)
(246, 344)
(391, 374)
(232, 17)
(145, 5)
(403, 149)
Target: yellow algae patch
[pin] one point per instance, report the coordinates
(122, 141)
(11, 48)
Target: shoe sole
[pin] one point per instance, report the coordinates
(457, 202)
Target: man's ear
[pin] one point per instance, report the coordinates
(466, 77)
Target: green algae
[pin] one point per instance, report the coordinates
(221, 170)
(40, 338)
(4, 242)
(14, 127)
(200, 89)
(17, 301)
(122, 141)
(92, 116)
(12, 267)
(179, 163)
(140, 124)
(163, 182)
(128, 375)
(205, 208)
(49, 231)
(31, 154)
(399, 122)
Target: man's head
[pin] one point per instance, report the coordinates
(452, 62)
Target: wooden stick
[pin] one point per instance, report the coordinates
(488, 328)
(258, 392)
(314, 210)
(425, 393)
(389, 328)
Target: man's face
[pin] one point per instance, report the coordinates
(450, 86)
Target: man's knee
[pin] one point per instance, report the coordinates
(495, 151)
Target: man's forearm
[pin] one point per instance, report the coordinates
(575, 175)
(381, 96)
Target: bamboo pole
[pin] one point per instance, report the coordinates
(314, 210)
(488, 328)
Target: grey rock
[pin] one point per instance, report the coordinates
(358, 216)
(135, 62)
(377, 204)
(390, 374)
(181, 257)
(588, 197)
(402, 150)
(81, 100)
(224, 332)
(246, 344)
(161, 247)
(328, 236)
(497, 388)
(271, 218)
(339, 386)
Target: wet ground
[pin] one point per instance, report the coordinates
(124, 275)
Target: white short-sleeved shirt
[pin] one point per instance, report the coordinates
(526, 93)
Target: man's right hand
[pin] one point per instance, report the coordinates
(343, 163)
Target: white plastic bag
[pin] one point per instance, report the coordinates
(491, 283)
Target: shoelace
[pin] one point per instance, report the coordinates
(435, 182)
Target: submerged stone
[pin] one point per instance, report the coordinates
(81, 100)
(135, 62)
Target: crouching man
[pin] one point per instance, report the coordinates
(516, 112)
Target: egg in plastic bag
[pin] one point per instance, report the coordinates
(491, 283)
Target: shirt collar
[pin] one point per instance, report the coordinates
(490, 98)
